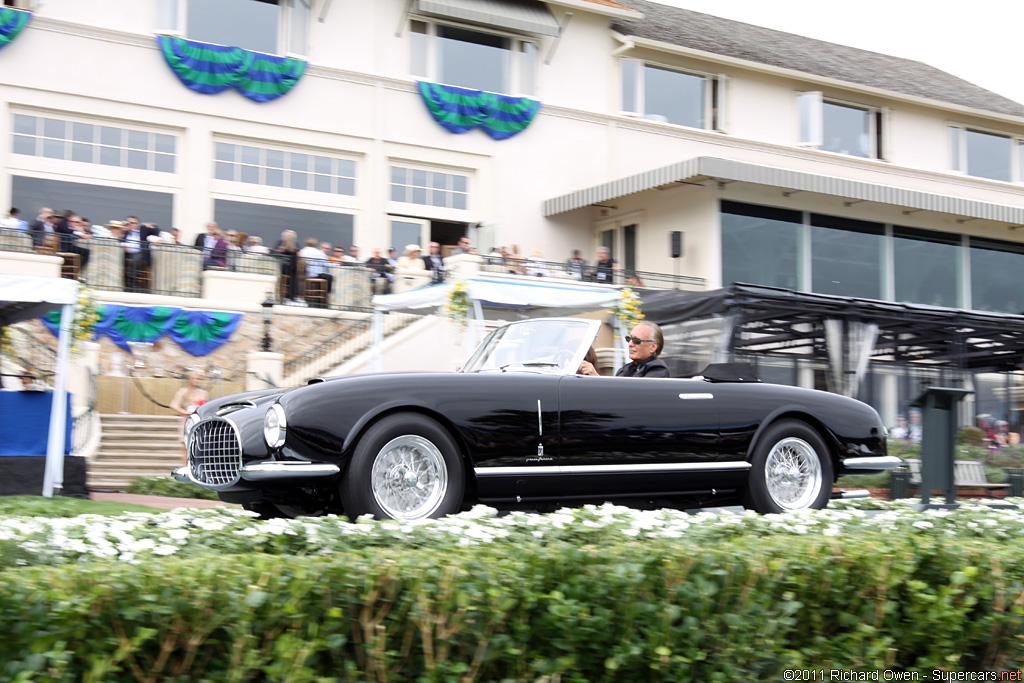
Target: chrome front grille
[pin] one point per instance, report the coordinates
(214, 453)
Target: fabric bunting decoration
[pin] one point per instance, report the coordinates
(459, 110)
(199, 333)
(210, 69)
(12, 21)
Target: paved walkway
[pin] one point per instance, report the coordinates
(162, 502)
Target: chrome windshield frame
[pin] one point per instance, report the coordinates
(566, 342)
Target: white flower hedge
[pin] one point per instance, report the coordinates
(133, 537)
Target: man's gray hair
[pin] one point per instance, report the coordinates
(656, 334)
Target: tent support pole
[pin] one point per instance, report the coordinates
(53, 479)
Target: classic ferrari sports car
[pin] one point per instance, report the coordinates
(517, 427)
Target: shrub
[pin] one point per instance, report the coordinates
(970, 436)
(166, 486)
(657, 610)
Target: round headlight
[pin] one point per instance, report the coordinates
(190, 423)
(274, 426)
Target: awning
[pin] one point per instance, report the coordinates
(502, 293)
(713, 168)
(529, 16)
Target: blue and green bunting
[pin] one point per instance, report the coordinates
(12, 21)
(459, 110)
(197, 332)
(209, 69)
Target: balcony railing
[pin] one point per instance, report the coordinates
(176, 270)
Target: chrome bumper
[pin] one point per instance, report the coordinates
(267, 471)
(872, 462)
(851, 494)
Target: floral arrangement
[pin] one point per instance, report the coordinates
(627, 310)
(87, 314)
(6, 345)
(457, 307)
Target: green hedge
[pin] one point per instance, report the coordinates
(653, 610)
(166, 486)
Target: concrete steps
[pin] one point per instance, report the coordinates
(133, 446)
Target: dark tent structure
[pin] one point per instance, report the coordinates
(744, 322)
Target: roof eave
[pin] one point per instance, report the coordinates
(632, 42)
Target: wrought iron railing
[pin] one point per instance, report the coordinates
(591, 274)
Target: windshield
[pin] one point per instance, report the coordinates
(544, 345)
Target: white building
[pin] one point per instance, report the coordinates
(780, 160)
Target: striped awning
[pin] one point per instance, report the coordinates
(698, 168)
(530, 16)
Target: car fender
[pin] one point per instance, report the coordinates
(382, 410)
(797, 412)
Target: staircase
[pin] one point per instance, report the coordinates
(134, 446)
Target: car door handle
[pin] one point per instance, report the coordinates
(696, 397)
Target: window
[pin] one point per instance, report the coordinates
(270, 26)
(278, 168)
(761, 245)
(995, 275)
(473, 59)
(926, 267)
(93, 143)
(669, 95)
(100, 202)
(981, 154)
(268, 221)
(846, 256)
(429, 188)
(839, 127)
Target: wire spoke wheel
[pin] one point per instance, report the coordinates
(409, 477)
(793, 474)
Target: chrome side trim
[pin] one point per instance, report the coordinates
(264, 471)
(694, 397)
(872, 462)
(613, 469)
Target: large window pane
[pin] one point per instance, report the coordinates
(760, 245)
(846, 256)
(268, 222)
(100, 202)
(674, 97)
(988, 156)
(996, 283)
(926, 267)
(847, 130)
(471, 59)
(630, 83)
(252, 24)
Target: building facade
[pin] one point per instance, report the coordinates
(761, 156)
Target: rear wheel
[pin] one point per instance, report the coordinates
(791, 470)
(405, 467)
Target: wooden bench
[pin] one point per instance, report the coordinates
(967, 474)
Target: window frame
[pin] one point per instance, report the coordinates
(958, 151)
(811, 123)
(265, 146)
(124, 147)
(429, 169)
(518, 56)
(172, 20)
(714, 93)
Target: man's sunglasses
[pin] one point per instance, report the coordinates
(635, 340)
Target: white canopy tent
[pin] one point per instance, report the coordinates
(559, 294)
(23, 297)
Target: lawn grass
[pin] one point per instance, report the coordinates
(62, 506)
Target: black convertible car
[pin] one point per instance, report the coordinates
(518, 428)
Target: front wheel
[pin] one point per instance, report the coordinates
(791, 470)
(405, 467)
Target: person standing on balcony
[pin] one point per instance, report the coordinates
(576, 264)
(207, 240)
(288, 247)
(463, 246)
(40, 227)
(315, 262)
(435, 263)
(13, 221)
(606, 267)
(380, 272)
(412, 260)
